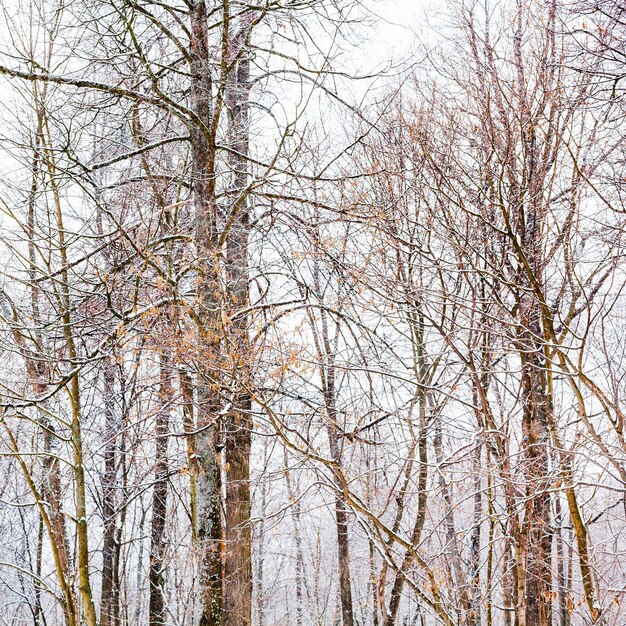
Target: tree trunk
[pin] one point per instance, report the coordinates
(422, 454)
(562, 591)
(38, 373)
(156, 606)
(207, 466)
(536, 532)
(108, 594)
(238, 558)
(416, 321)
(238, 422)
(474, 616)
(341, 511)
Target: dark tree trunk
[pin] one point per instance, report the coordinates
(341, 510)
(156, 610)
(536, 532)
(536, 529)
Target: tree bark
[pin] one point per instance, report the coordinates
(207, 466)
(536, 545)
(238, 422)
(109, 595)
(341, 510)
(156, 607)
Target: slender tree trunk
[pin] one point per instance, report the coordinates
(301, 581)
(474, 616)
(326, 354)
(261, 600)
(108, 593)
(422, 479)
(156, 605)
(562, 590)
(580, 533)
(455, 571)
(341, 510)
(39, 376)
(416, 322)
(186, 390)
(372, 582)
(139, 571)
(73, 391)
(38, 615)
(490, 542)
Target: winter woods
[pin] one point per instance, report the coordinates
(288, 339)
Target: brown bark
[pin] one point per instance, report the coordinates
(237, 558)
(238, 422)
(536, 544)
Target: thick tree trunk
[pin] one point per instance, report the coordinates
(238, 557)
(207, 467)
(536, 528)
(238, 422)
(536, 544)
